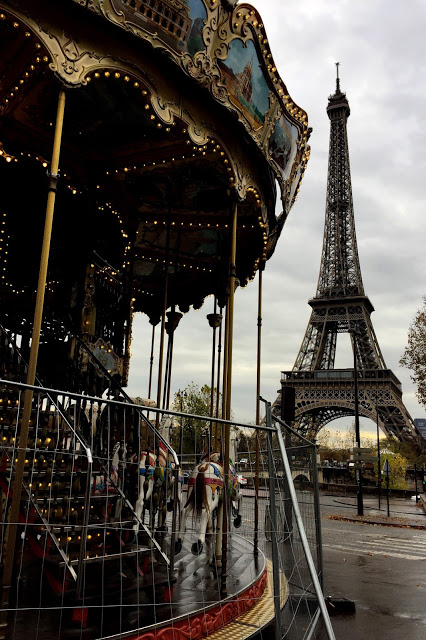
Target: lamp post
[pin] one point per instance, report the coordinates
(379, 471)
(386, 472)
(358, 473)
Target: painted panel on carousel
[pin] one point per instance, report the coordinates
(179, 23)
(283, 145)
(243, 76)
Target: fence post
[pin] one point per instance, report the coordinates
(317, 515)
(304, 540)
(273, 520)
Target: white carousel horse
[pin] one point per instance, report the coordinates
(205, 490)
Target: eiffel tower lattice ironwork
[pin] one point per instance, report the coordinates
(322, 392)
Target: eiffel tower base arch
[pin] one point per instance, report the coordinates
(322, 396)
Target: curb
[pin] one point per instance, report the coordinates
(381, 523)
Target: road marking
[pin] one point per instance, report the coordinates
(401, 546)
(366, 551)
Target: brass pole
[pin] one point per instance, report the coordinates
(232, 278)
(160, 357)
(167, 373)
(151, 361)
(259, 350)
(172, 337)
(219, 351)
(32, 366)
(225, 361)
(230, 326)
(213, 370)
(163, 316)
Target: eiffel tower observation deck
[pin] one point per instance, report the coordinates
(322, 392)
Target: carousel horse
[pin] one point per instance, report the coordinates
(205, 491)
(156, 486)
(167, 462)
(164, 483)
(146, 469)
(105, 483)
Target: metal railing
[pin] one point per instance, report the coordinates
(83, 552)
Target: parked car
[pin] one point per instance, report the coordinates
(242, 480)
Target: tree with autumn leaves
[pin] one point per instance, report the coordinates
(414, 357)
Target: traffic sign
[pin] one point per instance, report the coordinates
(386, 468)
(362, 454)
(362, 457)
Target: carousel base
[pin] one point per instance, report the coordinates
(192, 609)
(196, 610)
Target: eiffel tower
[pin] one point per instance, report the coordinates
(323, 393)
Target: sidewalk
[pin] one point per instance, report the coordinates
(403, 513)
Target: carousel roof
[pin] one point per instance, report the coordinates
(175, 112)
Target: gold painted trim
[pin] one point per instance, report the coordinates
(258, 616)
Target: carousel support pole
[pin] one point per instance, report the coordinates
(230, 325)
(224, 378)
(173, 319)
(215, 320)
(167, 371)
(32, 366)
(213, 367)
(151, 361)
(256, 476)
(163, 316)
(172, 336)
(219, 352)
(161, 355)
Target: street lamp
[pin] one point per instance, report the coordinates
(379, 471)
(358, 474)
(386, 472)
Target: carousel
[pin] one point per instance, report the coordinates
(143, 145)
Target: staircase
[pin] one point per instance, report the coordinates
(77, 517)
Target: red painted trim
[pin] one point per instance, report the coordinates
(80, 615)
(201, 625)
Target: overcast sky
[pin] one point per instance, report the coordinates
(382, 55)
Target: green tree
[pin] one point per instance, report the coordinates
(191, 432)
(398, 465)
(414, 356)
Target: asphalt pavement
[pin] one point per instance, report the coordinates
(378, 563)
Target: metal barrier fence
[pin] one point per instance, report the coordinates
(102, 547)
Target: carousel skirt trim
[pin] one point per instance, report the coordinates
(203, 624)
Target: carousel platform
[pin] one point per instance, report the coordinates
(193, 608)
(196, 609)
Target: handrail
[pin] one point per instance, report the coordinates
(138, 407)
(52, 400)
(87, 448)
(46, 525)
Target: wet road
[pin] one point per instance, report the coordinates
(381, 569)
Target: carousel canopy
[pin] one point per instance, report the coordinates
(175, 113)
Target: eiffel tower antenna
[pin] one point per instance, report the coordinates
(340, 305)
(337, 77)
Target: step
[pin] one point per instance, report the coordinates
(127, 553)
